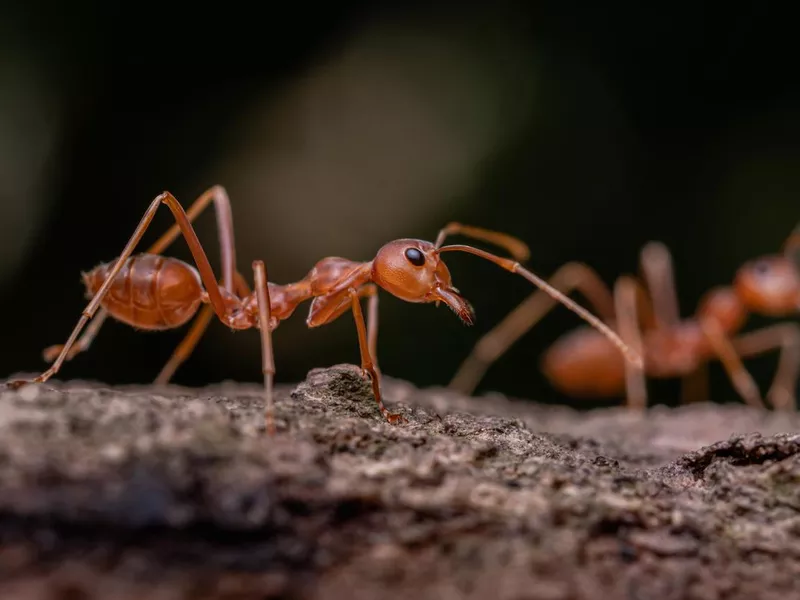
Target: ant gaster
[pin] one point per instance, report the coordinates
(153, 292)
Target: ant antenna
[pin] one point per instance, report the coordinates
(514, 267)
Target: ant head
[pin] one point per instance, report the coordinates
(413, 270)
(769, 286)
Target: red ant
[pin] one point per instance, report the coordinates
(153, 292)
(582, 364)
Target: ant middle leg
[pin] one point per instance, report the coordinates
(265, 326)
(190, 341)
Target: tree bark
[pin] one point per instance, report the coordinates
(141, 492)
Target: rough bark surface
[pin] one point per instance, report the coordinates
(138, 492)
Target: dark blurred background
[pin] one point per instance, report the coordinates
(584, 128)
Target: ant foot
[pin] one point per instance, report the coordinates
(367, 374)
(15, 384)
(781, 399)
(395, 419)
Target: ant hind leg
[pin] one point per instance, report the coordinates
(200, 258)
(231, 278)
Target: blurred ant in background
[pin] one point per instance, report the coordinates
(645, 313)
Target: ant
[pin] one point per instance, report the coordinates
(153, 292)
(582, 364)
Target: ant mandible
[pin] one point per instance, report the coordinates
(153, 292)
(580, 363)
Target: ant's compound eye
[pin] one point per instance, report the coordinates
(415, 257)
(762, 267)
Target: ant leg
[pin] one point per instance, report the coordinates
(366, 359)
(333, 307)
(515, 267)
(222, 208)
(326, 309)
(786, 336)
(219, 197)
(372, 322)
(189, 343)
(93, 305)
(740, 377)
(572, 276)
(267, 356)
(625, 300)
(83, 343)
(694, 386)
(232, 280)
(515, 247)
(187, 346)
(659, 275)
(200, 258)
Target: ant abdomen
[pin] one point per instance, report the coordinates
(584, 364)
(150, 292)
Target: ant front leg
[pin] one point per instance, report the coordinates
(366, 359)
(326, 309)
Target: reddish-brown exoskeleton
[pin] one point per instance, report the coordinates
(581, 364)
(149, 291)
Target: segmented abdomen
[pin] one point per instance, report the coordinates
(150, 291)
